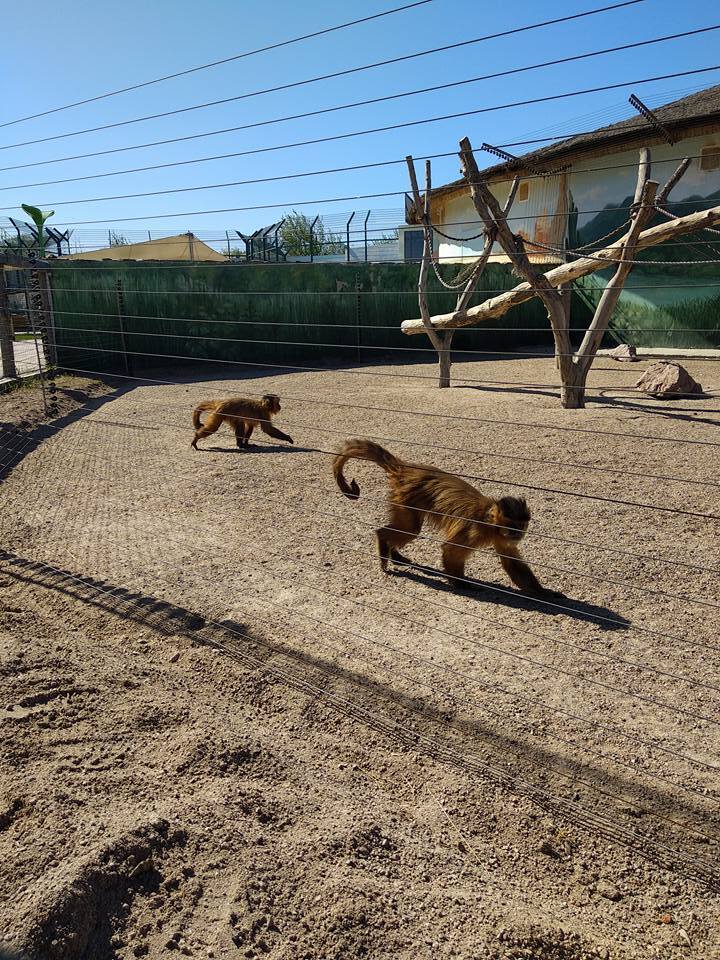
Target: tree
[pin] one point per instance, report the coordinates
(442, 341)
(573, 365)
(116, 239)
(301, 239)
(385, 239)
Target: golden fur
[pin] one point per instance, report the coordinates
(242, 415)
(465, 518)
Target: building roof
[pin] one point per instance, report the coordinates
(183, 246)
(702, 107)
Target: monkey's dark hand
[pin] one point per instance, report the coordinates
(546, 594)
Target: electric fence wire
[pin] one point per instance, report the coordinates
(457, 351)
(538, 664)
(424, 413)
(136, 424)
(619, 390)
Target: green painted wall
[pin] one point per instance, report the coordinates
(295, 314)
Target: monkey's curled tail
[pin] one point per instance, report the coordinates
(205, 405)
(361, 450)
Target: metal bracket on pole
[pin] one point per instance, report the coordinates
(347, 237)
(312, 228)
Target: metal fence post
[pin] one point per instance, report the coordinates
(365, 230)
(347, 237)
(120, 297)
(7, 349)
(312, 228)
(358, 315)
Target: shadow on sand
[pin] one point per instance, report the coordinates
(611, 798)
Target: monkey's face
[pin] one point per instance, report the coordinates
(273, 402)
(516, 517)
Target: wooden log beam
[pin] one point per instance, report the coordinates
(498, 306)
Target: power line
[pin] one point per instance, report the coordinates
(247, 53)
(244, 96)
(354, 104)
(628, 130)
(295, 176)
(412, 123)
(306, 203)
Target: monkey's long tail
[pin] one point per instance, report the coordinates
(205, 405)
(357, 449)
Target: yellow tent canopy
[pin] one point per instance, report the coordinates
(184, 246)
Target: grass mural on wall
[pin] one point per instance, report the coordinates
(309, 314)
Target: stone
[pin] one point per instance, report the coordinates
(666, 380)
(608, 890)
(624, 353)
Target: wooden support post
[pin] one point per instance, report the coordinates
(7, 348)
(440, 341)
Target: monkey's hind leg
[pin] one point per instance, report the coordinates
(210, 426)
(403, 526)
(243, 432)
(454, 558)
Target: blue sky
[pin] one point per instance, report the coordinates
(90, 48)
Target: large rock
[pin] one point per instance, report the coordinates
(664, 379)
(624, 353)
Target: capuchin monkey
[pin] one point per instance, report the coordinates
(465, 517)
(243, 416)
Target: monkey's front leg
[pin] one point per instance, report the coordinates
(520, 573)
(272, 431)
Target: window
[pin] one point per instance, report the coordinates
(710, 158)
(523, 191)
(413, 244)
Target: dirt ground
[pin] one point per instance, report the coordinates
(225, 733)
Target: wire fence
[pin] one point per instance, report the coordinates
(596, 696)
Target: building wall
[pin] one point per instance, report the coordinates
(676, 303)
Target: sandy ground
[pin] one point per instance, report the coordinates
(225, 733)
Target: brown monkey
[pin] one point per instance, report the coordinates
(243, 416)
(465, 517)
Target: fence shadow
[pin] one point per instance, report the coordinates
(616, 805)
(16, 444)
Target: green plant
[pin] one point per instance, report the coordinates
(38, 217)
